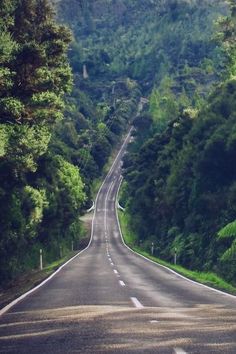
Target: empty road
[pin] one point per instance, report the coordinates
(110, 300)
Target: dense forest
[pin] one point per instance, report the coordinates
(71, 76)
(180, 182)
(57, 132)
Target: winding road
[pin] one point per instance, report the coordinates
(110, 300)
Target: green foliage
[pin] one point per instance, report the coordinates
(25, 145)
(69, 181)
(181, 185)
(207, 278)
(228, 231)
(163, 105)
(11, 108)
(229, 256)
(34, 76)
(227, 34)
(144, 41)
(176, 181)
(34, 202)
(4, 135)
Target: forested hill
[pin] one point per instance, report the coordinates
(71, 76)
(179, 174)
(145, 39)
(180, 183)
(57, 131)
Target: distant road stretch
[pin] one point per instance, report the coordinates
(110, 300)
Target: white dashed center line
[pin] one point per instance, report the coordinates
(121, 283)
(115, 271)
(136, 303)
(179, 351)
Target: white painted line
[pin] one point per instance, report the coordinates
(162, 266)
(16, 301)
(121, 283)
(118, 155)
(112, 264)
(105, 214)
(115, 271)
(154, 321)
(116, 234)
(179, 351)
(92, 208)
(136, 303)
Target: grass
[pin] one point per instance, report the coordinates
(129, 237)
(56, 264)
(206, 278)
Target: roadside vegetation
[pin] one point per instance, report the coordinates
(206, 278)
(56, 135)
(179, 189)
(71, 77)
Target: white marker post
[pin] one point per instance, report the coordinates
(72, 246)
(41, 259)
(152, 248)
(175, 256)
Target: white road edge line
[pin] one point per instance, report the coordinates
(14, 302)
(136, 303)
(105, 213)
(160, 265)
(179, 351)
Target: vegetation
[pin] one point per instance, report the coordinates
(67, 97)
(180, 188)
(206, 278)
(57, 131)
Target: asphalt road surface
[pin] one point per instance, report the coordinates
(110, 300)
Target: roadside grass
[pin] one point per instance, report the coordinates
(206, 278)
(129, 237)
(56, 264)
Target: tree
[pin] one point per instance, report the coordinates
(229, 232)
(34, 76)
(36, 60)
(228, 36)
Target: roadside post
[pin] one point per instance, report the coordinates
(41, 259)
(152, 249)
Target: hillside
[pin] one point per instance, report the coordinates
(179, 173)
(180, 184)
(144, 40)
